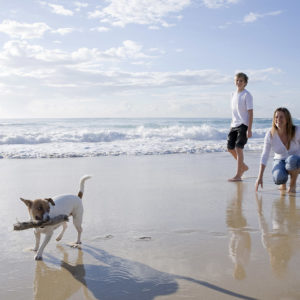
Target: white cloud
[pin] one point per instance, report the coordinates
(80, 5)
(100, 29)
(22, 57)
(144, 12)
(224, 26)
(73, 74)
(261, 74)
(57, 68)
(130, 49)
(27, 56)
(252, 17)
(218, 3)
(60, 10)
(63, 31)
(23, 30)
(81, 67)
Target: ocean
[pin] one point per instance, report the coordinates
(90, 137)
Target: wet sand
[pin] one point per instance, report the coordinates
(155, 227)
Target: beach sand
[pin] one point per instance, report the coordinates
(155, 227)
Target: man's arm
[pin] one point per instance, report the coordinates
(250, 118)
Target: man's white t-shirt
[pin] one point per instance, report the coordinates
(240, 104)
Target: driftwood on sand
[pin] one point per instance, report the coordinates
(35, 224)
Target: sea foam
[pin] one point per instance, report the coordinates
(96, 137)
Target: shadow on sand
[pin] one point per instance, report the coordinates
(112, 278)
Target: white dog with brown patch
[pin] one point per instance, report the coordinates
(44, 209)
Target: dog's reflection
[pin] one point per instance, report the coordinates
(113, 277)
(56, 281)
(108, 278)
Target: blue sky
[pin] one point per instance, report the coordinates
(146, 58)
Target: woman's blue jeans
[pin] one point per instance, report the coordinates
(282, 167)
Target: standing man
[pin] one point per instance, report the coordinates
(241, 124)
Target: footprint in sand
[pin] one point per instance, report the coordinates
(144, 238)
(106, 237)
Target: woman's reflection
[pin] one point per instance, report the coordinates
(280, 238)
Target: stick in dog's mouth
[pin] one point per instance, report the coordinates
(33, 224)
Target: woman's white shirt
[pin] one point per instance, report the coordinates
(280, 151)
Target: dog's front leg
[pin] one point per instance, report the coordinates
(64, 226)
(44, 244)
(37, 236)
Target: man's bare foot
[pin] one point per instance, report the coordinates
(282, 187)
(235, 178)
(245, 168)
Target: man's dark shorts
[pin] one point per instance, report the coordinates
(237, 137)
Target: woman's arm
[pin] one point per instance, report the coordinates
(266, 149)
(259, 180)
(263, 160)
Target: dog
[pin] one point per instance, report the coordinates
(44, 209)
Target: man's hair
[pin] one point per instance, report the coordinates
(243, 75)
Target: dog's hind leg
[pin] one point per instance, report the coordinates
(79, 231)
(77, 223)
(64, 227)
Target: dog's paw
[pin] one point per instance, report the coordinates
(38, 257)
(75, 245)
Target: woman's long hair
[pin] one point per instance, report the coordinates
(290, 127)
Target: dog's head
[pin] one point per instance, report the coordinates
(39, 209)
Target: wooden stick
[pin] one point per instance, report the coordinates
(32, 224)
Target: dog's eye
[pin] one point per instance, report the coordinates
(40, 208)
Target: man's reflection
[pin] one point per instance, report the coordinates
(240, 240)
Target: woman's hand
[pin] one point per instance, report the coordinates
(259, 181)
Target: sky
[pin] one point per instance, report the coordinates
(146, 58)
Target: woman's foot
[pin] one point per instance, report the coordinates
(282, 187)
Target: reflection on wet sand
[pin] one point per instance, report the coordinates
(56, 282)
(240, 240)
(281, 240)
(111, 278)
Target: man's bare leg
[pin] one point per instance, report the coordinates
(238, 155)
(240, 165)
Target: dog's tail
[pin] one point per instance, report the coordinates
(82, 180)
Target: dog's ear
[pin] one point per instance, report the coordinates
(28, 203)
(50, 200)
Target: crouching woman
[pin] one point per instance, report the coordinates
(284, 139)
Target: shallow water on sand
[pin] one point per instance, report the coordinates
(159, 227)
